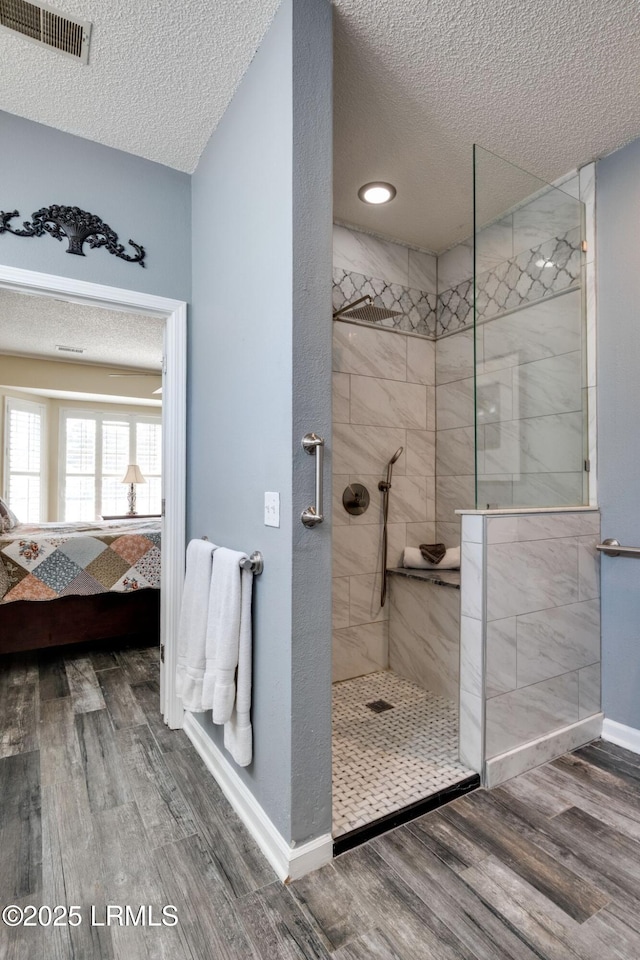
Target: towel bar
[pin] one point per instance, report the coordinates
(255, 562)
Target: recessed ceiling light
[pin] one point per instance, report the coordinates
(378, 192)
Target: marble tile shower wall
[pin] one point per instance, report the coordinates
(384, 398)
(394, 276)
(537, 600)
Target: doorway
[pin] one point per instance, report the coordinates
(173, 314)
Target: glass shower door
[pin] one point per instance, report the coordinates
(529, 339)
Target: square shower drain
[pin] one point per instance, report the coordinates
(379, 706)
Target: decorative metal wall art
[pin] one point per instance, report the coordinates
(78, 226)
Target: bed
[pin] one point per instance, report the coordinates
(72, 582)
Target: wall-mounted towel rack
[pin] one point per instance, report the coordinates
(255, 562)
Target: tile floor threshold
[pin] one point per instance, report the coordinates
(354, 838)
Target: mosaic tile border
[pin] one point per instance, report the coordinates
(542, 271)
(417, 308)
(531, 276)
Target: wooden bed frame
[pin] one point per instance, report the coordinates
(32, 625)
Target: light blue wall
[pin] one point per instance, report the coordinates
(618, 377)
(259, 378)
(150, 203)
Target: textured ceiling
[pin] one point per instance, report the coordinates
(160, 74)
(32, 326)
(548, 85)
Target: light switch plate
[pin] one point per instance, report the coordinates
(272, 509)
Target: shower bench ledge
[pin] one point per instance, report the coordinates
(443, 578)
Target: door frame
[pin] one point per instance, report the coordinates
(174, 439)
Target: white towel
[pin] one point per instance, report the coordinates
(192, 631)
(238, 737)
(414, 559)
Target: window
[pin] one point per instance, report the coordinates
(97, 447)
(25, 487)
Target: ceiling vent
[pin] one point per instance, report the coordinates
(47, 26)
(62, 349)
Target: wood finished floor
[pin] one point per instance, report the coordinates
(101, 803)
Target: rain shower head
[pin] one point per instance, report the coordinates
(367, 312)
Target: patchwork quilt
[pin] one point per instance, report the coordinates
(57, 560)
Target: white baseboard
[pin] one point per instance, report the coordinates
(290, 863)
(540, 751)
(621, 735)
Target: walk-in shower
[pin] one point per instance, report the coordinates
(477, 377)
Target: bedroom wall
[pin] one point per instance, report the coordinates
(259, 379)
(52, 436)
(29, 372)
(40, 166)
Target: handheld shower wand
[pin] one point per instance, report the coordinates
(385, 486)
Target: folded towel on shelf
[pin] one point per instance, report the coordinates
(432, 552)
(192, 631)
(227, 679)
(413, 558)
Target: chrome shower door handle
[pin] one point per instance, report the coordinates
(314, 445)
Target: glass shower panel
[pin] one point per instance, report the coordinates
(529, 339)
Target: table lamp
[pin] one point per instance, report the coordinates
(132, 476)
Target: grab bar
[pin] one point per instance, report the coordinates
(314, 444)
(255, 562)
(613, 548)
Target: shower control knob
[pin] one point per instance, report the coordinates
(355, 499)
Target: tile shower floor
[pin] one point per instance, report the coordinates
(384, 761)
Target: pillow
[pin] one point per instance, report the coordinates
(8, 519)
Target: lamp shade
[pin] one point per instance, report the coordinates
(133, 474)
